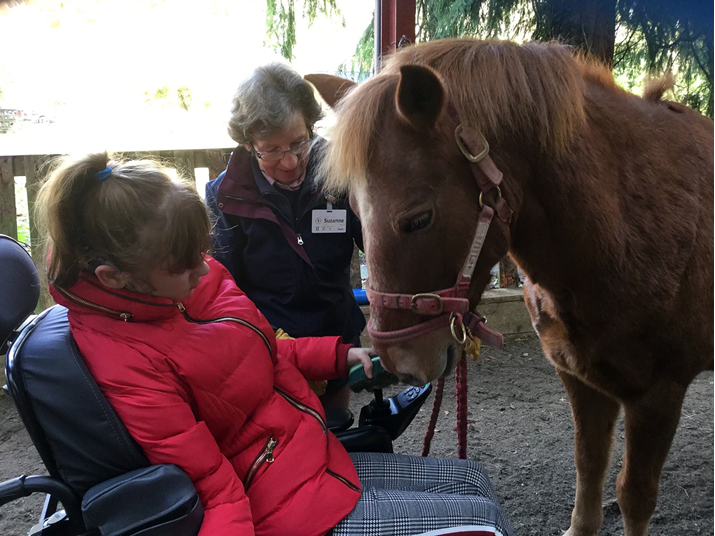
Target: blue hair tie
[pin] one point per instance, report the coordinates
(104, 174)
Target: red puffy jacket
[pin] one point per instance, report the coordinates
(197, 387)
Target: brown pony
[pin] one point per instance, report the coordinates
(612, 199)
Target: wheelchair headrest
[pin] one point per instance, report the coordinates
(20, 289)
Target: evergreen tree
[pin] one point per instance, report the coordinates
(280, 21)
(637, 38)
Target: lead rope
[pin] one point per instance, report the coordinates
(460, 378)
(433, 418)
(471, 349)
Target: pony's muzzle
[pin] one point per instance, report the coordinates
(420, 360)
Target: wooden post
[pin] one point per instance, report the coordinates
(8, 211)
(190, 165)
(387, 32)
(184, 162)
(216, 165)
(405, 21)
(34, 173)
(397, 20)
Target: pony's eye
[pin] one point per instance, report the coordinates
(422, 220)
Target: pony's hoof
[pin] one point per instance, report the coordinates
(575, 532)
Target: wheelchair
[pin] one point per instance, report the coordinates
(99, 481)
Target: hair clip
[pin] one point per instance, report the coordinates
(104, 174)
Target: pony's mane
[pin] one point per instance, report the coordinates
(498, 87)
(656, 88)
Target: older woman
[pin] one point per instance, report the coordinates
(287, 244)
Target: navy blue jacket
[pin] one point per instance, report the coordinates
(299, 280)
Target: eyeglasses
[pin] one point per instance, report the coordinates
(299, 149)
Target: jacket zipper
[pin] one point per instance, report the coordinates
(113, 312)
(236, 319)
(265, 456)
(302, 407)
(343, 480)
(310, 411)
(310, 207)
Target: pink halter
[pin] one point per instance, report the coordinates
(450, 307)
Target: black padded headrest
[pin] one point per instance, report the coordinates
(19, 286)
(77, 433)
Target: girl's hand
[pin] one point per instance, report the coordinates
(361, 355)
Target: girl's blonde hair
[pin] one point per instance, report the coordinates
(136, 219)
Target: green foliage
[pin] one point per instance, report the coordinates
(361, 67)
(650, 37)
(184, 94)
(161, 93)
(674, 37)
(280, 21)
(23, 221)
(166, 98)
(6, 123)
(437, 19)
(280, 26)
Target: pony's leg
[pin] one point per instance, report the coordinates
(594, 416)
(650, 423)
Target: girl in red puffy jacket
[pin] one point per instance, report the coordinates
(193, 370)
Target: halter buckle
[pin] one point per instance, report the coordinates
(475, 159)
(427, 296)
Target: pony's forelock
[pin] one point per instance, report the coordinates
(345, 164)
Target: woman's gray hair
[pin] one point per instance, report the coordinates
(267, 102)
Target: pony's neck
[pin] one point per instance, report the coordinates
(560, 232)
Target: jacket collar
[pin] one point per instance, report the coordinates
(89, 295)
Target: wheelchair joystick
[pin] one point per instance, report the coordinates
(379, 407)
(393, 414)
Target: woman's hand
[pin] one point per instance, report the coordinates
(361, 355)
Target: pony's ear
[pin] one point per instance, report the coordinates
(331, 88)
(420, 96)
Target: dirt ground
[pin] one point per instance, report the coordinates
(522, 434)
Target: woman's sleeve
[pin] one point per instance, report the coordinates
(163, 424)
(317, 358)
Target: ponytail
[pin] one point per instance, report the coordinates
(131, 215)
(59, 212)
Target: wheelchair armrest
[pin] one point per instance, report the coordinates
(368, 438)
(159, 500)
(24, 486)
(338, 419)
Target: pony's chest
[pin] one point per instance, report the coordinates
(552, 330)
(606, 366)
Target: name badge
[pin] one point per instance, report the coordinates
(330, 221)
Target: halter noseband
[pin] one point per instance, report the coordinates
(450, 307)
